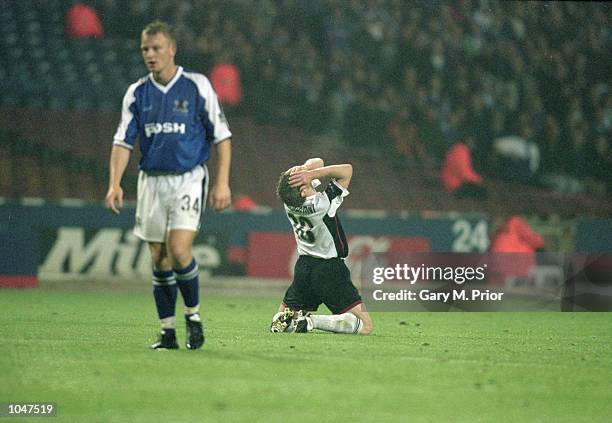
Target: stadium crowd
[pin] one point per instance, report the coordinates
(420, 74)
(524, 84)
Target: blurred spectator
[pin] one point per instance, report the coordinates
(431, 134)
(82, 21)
(513, 235)
(244, 202)
(517, 159)
(408, 149)
(601, 161)
(556, 160)
(225, 79)
(341, 100)
(579, 165)
(457, 174)
(551, 146)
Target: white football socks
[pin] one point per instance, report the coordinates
(192, 310)
(339, 323)
(168, 323)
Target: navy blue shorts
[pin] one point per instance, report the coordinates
(319, 281)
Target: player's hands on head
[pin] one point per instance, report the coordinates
(114, 199)
(220, 197)
(301, 177)
(294, 169)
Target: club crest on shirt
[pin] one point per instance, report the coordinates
(181, 106)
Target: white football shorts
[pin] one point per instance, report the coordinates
(167, 202)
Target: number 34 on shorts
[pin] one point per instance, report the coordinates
(170, 202)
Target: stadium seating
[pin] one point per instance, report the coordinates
(73, 164)
(41, 69)
(69, 93)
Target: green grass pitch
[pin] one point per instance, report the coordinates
(87, 352)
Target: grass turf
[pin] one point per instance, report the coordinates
(87, 352)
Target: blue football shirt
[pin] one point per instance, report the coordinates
(175, 123)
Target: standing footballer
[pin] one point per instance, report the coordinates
(176, 116)
(320, 273)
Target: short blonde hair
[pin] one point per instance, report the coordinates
(160, 27)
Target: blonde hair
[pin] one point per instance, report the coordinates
(160, 27)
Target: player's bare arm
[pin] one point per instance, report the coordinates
(309, 164)
(342, 173)
(120, 157)
(221, 194)
(313, 163)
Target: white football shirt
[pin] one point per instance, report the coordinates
(316, 225)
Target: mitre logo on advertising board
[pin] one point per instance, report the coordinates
(110, 251)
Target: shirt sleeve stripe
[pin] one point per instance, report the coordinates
(215, 120)
(127, 129)
(124, 144)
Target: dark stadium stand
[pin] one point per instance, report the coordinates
(59, 106)
(42, 69)
(43, 164)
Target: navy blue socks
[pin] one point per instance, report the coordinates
(188, 283)
(164, 291)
